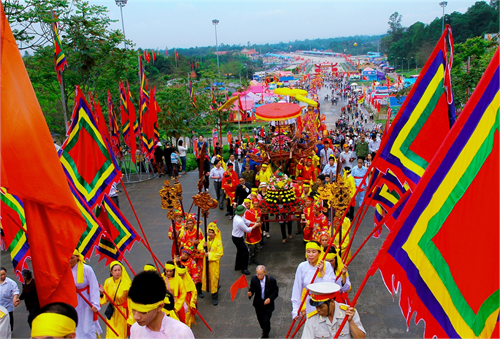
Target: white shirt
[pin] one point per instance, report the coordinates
(114, 191)
(7, 291)
(87, 327)
(263, 287)
(321, 327)
(303, 277)
(5, 323)
(346, 156)
(373, 145)
(240, 226)
(182, 150)
(217, 172)
(170, 329)
(327, 156)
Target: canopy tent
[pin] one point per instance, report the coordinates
(278, 111)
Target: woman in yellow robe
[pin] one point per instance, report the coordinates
(117, 285)
(213, 251)
(191, 294)
(176, 287)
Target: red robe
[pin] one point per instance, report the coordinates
(178, 227)
(309, 227)
(193, 270)
(229, 183)
(187, 239)
(309, 173)
(255, 236)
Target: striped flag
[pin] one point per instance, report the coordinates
(132, 115)
(454, 205)
(191, 94)
(14, 239)
(114, 131)
(119, 232)
(60, 62)
(85, 155)
(127, 129)
(421, 124)
(154, 109)
(90, 237)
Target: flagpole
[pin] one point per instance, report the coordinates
(61, 84)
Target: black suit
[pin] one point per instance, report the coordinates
(264, 312)
(241, 193)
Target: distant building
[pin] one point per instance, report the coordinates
(251, 53)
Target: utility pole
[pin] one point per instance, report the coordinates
(121, 4)
(443, 4)
(215, 22)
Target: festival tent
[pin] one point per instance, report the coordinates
(369, 74)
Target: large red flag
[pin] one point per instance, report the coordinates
(55, 223)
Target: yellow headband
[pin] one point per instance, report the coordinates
(331, 256)
(169, 267)
(79, 267)
(314, 246)
(149, 267)
(52, 325)
(181, 270)
(145, 308)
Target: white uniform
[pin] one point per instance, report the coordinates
(322, 327)
(87, 328)
(170, 329)
(4, 323)
(303, 277)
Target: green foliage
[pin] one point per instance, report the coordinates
(191, 162)
(412, 46)
(480, 52)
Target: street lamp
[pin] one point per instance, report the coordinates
(216, 22)
(443, 4)
(121, 4)
(415, 66)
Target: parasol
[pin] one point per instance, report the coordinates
(227, 103)
(308, 101)
(298, 91)
(278, 111)
(283, 91)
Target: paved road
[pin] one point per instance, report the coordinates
(380, 315)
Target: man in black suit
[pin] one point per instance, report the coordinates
(266, 291)
(243, 190)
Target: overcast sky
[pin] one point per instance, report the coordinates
(160, 23)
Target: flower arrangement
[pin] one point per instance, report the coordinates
(280, 196)
(281, 142)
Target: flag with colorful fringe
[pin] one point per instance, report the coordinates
(448, 232)
(114, 131)
(119, 232)
(85, 155)
(60, 62)
(14, 238)
(420, 126)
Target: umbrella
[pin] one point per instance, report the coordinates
(227, 103)
(278, 111)
(354, 84)
(308, 101)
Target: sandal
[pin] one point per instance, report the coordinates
(283, 241)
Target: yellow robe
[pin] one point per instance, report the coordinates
(264, 176)
(117, 321)
(176, 287)
(215, 252)
(190, 288)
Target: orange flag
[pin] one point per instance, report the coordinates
(240, 283)
(53, 220)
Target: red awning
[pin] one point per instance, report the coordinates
(278, 111)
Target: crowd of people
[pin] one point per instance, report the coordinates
(155, 303)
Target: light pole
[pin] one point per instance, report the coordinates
(415, 66)
(443, 4)
(216, 22)
(408, 65)
(121, 4)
